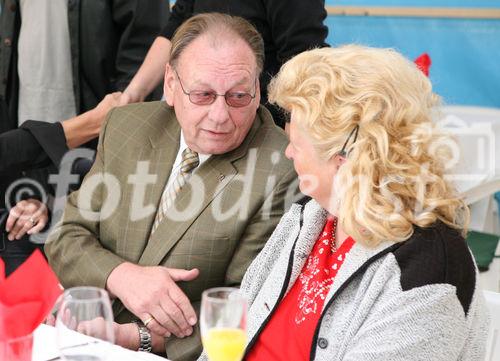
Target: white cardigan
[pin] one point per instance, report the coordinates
(415, 300)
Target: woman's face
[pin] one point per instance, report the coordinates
(315, 174)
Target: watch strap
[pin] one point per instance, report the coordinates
(145, 341)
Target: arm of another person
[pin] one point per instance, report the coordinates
(20, 150)
(38, 144)
(296, 25)
(152, 69)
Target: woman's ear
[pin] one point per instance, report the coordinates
(342, 159)
(339, 159)
(168, 85)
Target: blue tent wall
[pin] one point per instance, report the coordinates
(465, 53)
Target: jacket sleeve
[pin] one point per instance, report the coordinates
(259, 230)
(73, 249)
(296, 27)
(181, 11)
(35, 144)
(138, 22)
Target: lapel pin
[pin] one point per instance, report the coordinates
(221, 177)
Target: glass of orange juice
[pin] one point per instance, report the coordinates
(223, 324)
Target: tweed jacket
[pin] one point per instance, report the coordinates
(136, 151)
(415, 300)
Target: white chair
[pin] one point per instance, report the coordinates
(477, 171)
(493, 343)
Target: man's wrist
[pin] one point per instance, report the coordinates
(114, 282)
(136, 93)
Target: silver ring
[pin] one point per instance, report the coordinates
(33, 222)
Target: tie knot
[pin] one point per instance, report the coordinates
(190, 160)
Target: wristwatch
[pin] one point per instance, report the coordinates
(145, 343)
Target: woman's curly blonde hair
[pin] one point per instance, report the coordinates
(393, 178)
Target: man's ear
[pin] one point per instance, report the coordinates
(168, 85)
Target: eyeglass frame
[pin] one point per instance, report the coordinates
(215, 95)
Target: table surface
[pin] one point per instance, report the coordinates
(45, 347)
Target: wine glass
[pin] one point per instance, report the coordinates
(223, 323)
(84, 321)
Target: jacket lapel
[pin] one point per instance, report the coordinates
(206, 183)
(160, 153)
(171, 229)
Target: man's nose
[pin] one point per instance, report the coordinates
(219, 110)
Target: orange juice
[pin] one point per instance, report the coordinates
(225, 344)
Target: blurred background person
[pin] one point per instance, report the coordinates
(58, 59)
(375, 265)
(35, 145)
(287, 27)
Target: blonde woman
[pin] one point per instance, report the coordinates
(374, 266)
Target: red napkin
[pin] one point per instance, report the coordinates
(424, 63)
(26, 297)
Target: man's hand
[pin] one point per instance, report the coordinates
(28, 216)
(152, 292)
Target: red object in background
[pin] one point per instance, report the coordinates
(424, 63)
(26, 298)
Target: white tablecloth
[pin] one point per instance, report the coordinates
(45, 347)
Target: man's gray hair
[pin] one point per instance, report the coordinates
(211, 23)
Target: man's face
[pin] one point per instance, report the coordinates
(229, 66)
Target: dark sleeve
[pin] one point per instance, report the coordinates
(34, 145)
(138, 23)
(296, 27)
(180, 12)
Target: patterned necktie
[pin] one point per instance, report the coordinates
(189, 162)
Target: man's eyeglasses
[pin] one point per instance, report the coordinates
(233, 99)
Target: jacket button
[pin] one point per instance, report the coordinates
(4, 81)
(322, 343)
(7, 42)
(13, 7)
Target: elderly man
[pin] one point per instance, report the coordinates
(183, 194)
